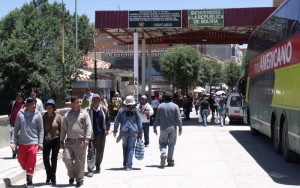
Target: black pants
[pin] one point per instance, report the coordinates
(146, 132)
(54, 145)
(187, 113)
(96, 151)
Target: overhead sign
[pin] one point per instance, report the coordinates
(130, 54)
(155, 18)
(206, 18)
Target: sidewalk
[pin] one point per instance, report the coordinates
(112, 163)
(10, 169)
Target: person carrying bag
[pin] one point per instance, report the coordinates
(139, 149)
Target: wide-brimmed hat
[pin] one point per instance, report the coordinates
(96, 95)
(144, 97)
(50, 102)
(129, 100)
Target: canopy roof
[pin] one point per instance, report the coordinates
(238, 25)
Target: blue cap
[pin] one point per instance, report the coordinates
(51, 102)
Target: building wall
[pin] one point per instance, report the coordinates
(222, 52)
(106, 43)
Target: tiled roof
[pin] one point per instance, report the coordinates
(89, 63)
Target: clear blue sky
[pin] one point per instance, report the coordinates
(89, 7)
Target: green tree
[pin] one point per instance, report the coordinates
(181, 65)
(30, 49)
(212, 72)
(233, 73)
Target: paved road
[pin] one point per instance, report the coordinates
(211, 156)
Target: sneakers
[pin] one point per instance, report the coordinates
(78, 184)
(128, 169)
(171, 163)
(29, 184)
(71, 181)
(98, 170)
(163, 158)
(48, 180)
(90, 174)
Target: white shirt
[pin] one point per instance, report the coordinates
(39, 105)
(144, 117)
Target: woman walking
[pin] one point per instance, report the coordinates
(52, 124)
(131, 129)
(204, 110)
(221, 110)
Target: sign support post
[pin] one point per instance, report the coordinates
(136, 65)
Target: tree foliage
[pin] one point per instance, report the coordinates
(181, 65)
(212, 72)
(233, 73)
(30, 49)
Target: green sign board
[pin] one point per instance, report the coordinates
(206, 18)
(154, 18)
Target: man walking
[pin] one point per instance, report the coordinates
(78, 129)
(39, 103)
(146, 111)
(29, 126)
(13, 108)
(101, 125)
(168, 117)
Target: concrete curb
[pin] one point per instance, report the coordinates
(16, 174)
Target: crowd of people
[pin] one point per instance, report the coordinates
(81, 132)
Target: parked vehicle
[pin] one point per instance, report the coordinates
(234, 107)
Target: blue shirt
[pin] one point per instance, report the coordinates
(128, 123)
(222, 109)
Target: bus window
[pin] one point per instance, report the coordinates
(293, 17)
(281, 23)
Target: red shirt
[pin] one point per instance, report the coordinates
(16, 109)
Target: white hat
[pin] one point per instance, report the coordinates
(129, 100)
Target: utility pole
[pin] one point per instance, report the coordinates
(95, 62)
(76, 29)
(63, 50)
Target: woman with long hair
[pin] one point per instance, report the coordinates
(131, 128)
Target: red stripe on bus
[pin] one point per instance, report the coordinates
(282, 55)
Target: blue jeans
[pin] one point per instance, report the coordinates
(222, 117)
(146, 132)
(167, 138)
(129, 139)
(204, 116)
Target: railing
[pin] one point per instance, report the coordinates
(5, 128)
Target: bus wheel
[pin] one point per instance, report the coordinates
(254, 131)
(288, 154)
(276, 138)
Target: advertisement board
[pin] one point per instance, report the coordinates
(155, 19)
